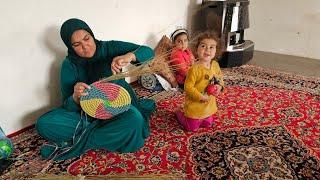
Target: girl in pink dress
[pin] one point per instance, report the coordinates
(181, 57)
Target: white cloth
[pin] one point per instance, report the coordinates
(164, 83)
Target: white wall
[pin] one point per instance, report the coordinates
(286, 26)
(31, 49)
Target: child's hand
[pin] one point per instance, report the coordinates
(193, 60)
(219, 89)
(204, 98)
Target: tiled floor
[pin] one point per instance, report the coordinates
(294, 64)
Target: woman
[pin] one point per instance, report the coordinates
(71, 133)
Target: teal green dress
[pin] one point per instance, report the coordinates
(68, 129)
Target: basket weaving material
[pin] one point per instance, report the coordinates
(105, 100)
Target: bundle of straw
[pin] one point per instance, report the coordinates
(149, 67)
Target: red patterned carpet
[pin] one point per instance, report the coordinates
(268, 128)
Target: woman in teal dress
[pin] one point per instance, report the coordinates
(69, 131)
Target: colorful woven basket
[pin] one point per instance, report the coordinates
(105, 100)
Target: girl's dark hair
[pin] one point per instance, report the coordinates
(210, 35)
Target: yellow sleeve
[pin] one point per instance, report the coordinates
(189, 84)
(219, 74)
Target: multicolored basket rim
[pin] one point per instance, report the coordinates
(105, 100)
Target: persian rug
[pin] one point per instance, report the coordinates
(108, 177)
(268, 127)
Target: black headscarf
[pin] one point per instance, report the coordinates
(94, 66)
(66, 31)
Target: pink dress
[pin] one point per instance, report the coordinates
(182, 61)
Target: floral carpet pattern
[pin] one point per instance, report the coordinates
(268, 127)
(255, 153)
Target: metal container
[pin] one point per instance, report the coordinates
(228, 18)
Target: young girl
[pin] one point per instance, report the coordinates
(199, 107)
(181, 57)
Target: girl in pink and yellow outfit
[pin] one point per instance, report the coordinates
(199, 107)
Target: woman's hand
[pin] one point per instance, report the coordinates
(121, 61)
(78, 91)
